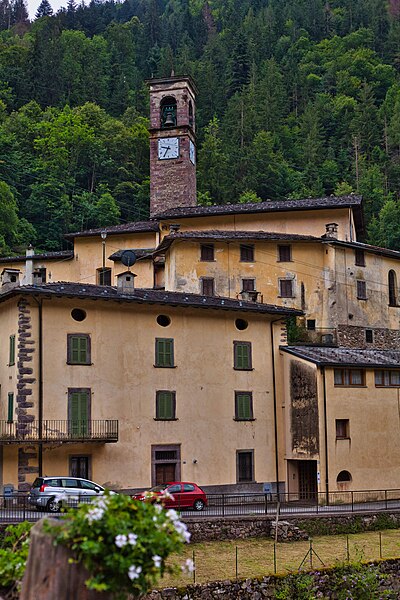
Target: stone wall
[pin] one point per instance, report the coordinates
(323, 585)
(27, 455)
(354, 337)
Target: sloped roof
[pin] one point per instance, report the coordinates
(350, 201)
(62, 255)
(145, 296)
(134, 227)
(349, 357)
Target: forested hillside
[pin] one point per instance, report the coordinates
(297, 98)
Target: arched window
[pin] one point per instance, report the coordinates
(392, 281)
(168, 112)
(343, 477)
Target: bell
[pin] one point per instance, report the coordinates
(169, 119)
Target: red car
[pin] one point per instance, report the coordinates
(176, 494)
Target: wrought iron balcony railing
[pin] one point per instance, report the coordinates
(103, 430)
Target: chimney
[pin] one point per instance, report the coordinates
(30, 253)
(331, 231)
(126, 283)
(174, 227)
(9, 279)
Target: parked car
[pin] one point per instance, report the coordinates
(51, 493)
(176, 494)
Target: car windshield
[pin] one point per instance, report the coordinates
(159, 488)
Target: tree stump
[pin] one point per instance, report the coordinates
(50, 576)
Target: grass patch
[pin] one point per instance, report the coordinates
(255, 557)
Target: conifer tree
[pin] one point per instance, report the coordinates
(44, 9)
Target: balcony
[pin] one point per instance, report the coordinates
(55, 431)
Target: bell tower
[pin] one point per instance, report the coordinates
(172, 143)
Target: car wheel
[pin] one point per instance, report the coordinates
(53, 506)
(198, 505)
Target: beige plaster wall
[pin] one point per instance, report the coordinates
(310, 222)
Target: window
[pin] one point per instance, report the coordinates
(164, 352)
(359, 258)
(392, 282)
(349, 377)
(241, 324)
(78, 349)
(387, 378)
(284, 253)
(342, 429)
(163, 320)
(242, 356)
(165, 405)
(244, 465)
(11, 358)
(286, 288)
(78, 314)
(79, 466)
(311, 324)
(207, 286)
(10, 407)
(246, 253)
(369, 336)
(344, 476)
(243, 406)
(248, 285)
(207, 252)
(361, 289)
(104, 276)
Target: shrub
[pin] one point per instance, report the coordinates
(14, 550)
(123, 543)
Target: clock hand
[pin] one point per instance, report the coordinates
(166, 149)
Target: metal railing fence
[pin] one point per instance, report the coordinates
(15, 506)
(55, 430)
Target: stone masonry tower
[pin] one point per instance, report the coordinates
(172, 144)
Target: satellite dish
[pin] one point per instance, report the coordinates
(128, 258)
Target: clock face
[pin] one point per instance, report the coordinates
(168, 148)
(192, 152)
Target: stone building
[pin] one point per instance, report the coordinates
(172, 361)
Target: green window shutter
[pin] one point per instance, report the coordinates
(165, 405)
(79, 349)
(242, 356)
(243, 406)
(10, 412)
(79, 412)
(12, 350)
(164, 352)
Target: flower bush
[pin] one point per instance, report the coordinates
(123, 543)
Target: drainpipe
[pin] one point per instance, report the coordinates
(275, 407)
(40, 399)
(326, 437)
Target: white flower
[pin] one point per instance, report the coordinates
(166, 495)
(188, 567)
(132, 539)
(157, 561)
(182, 529)
(121, 540)
(134, 572)
(172, 515)
(158, 508)
(95, 514)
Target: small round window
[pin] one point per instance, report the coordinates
(163, 320)
(78, 314)
(241, 324)
(343, 477)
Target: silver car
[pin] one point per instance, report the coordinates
(51, 493)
